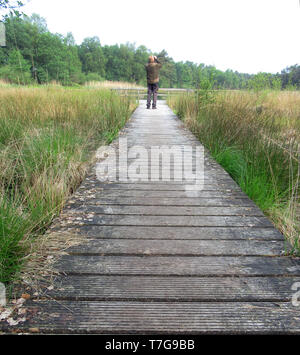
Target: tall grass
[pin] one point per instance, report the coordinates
(47, 138)
(256, 138)
(113, 85)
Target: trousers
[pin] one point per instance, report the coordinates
(152, 90)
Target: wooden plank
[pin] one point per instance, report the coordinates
(179, 265)
(169, 194)
(211, 179)
(148, 220)
(180, 247)
(208, 173)
(155, 177)
(165, 210)
(141, 201)
(172, 233)
(153, 186)
(172, 289)
(162, 317)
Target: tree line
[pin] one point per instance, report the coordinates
(34, 54)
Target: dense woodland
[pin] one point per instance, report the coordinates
(34, 54)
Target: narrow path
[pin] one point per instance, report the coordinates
(160, 259)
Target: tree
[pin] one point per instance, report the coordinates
(73, 61)
(260, 81)
(184, 72)
(51, 56)
(290, 77)
(168, 76)
(276, 82)
(206, 77)
(140, 58)
(17, 69)
(91, 56)
(11, 6)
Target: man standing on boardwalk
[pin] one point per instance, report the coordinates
(152, 69)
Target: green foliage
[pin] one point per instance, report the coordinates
(93, 77)
(53, 57)
(168, 71)
(206, 77)
(11, 6)
(184, 73)
(17, 69)
(291, 77)
(140, 57)
(120, 62)
(91, 56)
(276, 83)
(260, 81)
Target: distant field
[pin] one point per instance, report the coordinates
(113, 85)
(255, 136)
(47, 139)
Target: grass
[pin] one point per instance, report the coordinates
(47, 139)
(256, 138)
(113, 85)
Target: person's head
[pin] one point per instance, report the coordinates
(151, 59)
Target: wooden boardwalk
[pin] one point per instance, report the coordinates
(159, 259)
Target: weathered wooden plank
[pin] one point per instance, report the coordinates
(148, 220)
(173, 233)
(179, 265)
(169, 194)
(153, 186)
(146, 175)
(154, 160)
(173, 288)
(209, 179)
(166, 210)
(90, 199)
(207, 168)
(163, 317)
(155, 178)
(179, 247)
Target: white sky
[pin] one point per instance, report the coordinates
(244, 35)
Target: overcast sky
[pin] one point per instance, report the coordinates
(243, 35)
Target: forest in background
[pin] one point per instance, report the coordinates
(34, 54)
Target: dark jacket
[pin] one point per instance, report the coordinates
(152, 70)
